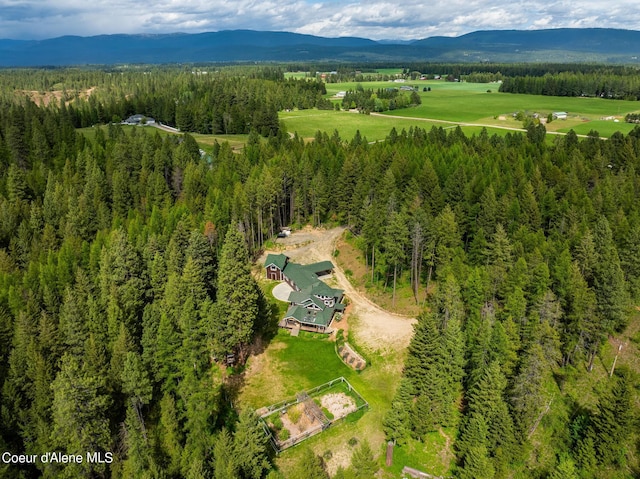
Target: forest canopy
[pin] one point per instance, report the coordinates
(125, 275)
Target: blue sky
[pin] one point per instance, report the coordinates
(375, 19)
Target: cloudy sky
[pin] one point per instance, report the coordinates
(375, 19)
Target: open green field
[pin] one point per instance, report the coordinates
(466, 104)
(307, 122)
(447, 105)
(293, 364)
(296, 75)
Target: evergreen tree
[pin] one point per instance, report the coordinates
(609, 283)
(224, 465)
(250, 447)
(397, 422)
(363, 462)
(612, 424)
(565, 469)
(235, 316)
(423, 370)
(79, 410)
(310, 467)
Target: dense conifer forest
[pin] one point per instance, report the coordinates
(125, 276)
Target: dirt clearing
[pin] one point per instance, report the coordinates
(374, 327)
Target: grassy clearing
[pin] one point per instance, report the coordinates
(471, 102)
(307, 122)
(289, 365)
(434, 455)
(205, 141)
(604, 127)
(389, 71)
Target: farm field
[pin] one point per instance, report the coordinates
(462, 103)
(372, 127)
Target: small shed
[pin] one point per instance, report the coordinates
(559, 115)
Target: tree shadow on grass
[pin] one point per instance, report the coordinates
(266, 330)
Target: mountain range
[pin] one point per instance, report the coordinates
(553, 45)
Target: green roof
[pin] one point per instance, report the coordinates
(301, 276)
(320, 267)
(280, 260)
(305, 278)
(305, 316)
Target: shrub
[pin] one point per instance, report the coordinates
(327, 455)
(284, 434)
(328, 414)
(353, 441)
(277, 423)
(294, 414)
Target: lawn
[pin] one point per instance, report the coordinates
(290, 365)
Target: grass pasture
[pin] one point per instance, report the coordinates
(450, 103)
(307, 122)
(290, 365)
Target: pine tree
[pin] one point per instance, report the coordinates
(472, 449)
(499, 259)
(397, 422)
(169, 435)
(565, 469)
(224, 465)
(609, 283)
(234, 318)
(79, 411)
(363, 462)
(612, 425)
(527, 396)
(310, 467)
(395, 239)
(250, 446)
(423, 368)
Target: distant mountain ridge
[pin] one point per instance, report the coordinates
(593, 44)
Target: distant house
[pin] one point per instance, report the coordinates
(139, 120)
(312, 303)
(559, 115)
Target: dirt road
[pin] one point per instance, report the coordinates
(373, 326)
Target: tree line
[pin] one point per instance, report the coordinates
(598, 84)
(383, 99)
(225, 101)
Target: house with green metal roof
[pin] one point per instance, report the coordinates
(312, 303)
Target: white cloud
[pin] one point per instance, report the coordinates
(373, 19)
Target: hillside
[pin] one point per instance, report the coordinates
(603, 45)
